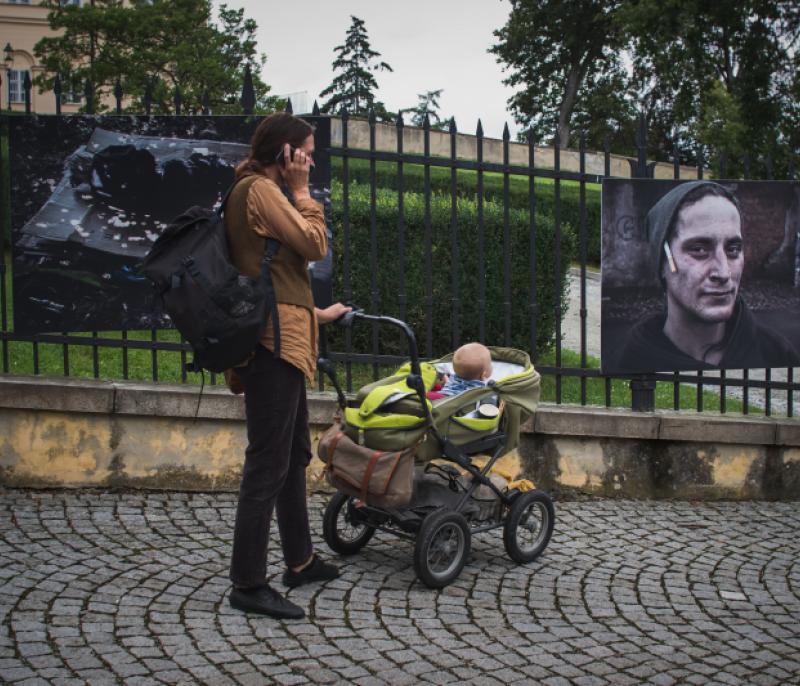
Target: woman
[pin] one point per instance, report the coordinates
(279, 446)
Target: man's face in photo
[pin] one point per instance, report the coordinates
(707, 250)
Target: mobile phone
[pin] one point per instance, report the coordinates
(280, 159)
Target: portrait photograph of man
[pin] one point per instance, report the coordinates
(700, 275)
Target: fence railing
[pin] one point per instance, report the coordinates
(777, 388)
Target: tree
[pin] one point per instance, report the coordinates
(164, 45)
(354, 87)
(428, 105)
(552, 50)
(716, 70)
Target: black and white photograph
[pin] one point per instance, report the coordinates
(699, 275)
(90, 195)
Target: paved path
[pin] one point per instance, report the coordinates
(130, 588)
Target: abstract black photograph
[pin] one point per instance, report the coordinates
(700, 275)
(90, 195)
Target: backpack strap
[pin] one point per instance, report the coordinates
(271, 303)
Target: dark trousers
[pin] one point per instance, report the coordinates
(274, 474)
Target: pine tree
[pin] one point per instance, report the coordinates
(354, 87)
(428, 105)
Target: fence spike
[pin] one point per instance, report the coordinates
(344, 113)
(582, 141)
(178, 100)
(371, 116)
(118, 96)
(426, 123)
(57, 92)
(315, 109)
(249, 92)
(399, 123)
(607, 143)
(147, 98)
(723, 164)
(506, 132)
(26, 85)
(88, 93)
(206, 103)
(452, 126)
(288, 107)
(530, 136)
(479, 129)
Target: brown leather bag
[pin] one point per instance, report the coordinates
(381, 479)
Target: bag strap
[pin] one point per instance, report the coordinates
(271, 302)
(368, 474)
(332, 448)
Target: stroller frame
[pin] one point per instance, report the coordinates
(442, 534)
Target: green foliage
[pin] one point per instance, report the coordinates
(354, 87)
(466, 187)
(427, 106)
(550, 50)
(398, 277)
(166, 44)
(714, 73)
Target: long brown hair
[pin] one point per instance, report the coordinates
(272, 133)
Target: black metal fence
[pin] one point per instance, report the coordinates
(766, 394)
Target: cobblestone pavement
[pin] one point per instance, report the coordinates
(101, 587)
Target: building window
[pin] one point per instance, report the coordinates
(16, 81)
(70, 90)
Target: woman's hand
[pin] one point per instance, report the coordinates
(295, 171)
(332, 313)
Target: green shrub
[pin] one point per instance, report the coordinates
(446, 314)
(467, 185)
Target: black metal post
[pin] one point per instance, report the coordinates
(118, 96)
(249, 93)
(401, 220)
(533, 305)
(57, 92)
(455, 296)
(88, 94)
(26, 85)
(643, 387)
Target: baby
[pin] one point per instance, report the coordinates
(472, 367)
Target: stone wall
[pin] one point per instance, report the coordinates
(79, 433)
(358, 136)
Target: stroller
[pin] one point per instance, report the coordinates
(447, 505)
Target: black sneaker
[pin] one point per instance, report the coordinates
(265, 601)
(317, 570)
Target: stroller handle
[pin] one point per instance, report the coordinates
(349, 318)
(414, 379)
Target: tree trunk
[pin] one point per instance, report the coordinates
(574, 79)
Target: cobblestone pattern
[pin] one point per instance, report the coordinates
(131, 588)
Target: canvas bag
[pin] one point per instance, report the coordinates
(379, 478)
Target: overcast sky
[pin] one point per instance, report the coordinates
(430, 44)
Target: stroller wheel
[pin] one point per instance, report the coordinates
(343, 527)
(528, 526)
(442, 547)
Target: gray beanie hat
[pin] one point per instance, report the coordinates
(661, 217)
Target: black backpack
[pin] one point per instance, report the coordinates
(217, 309)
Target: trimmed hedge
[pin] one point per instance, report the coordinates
(467, 185)
(388, 270)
